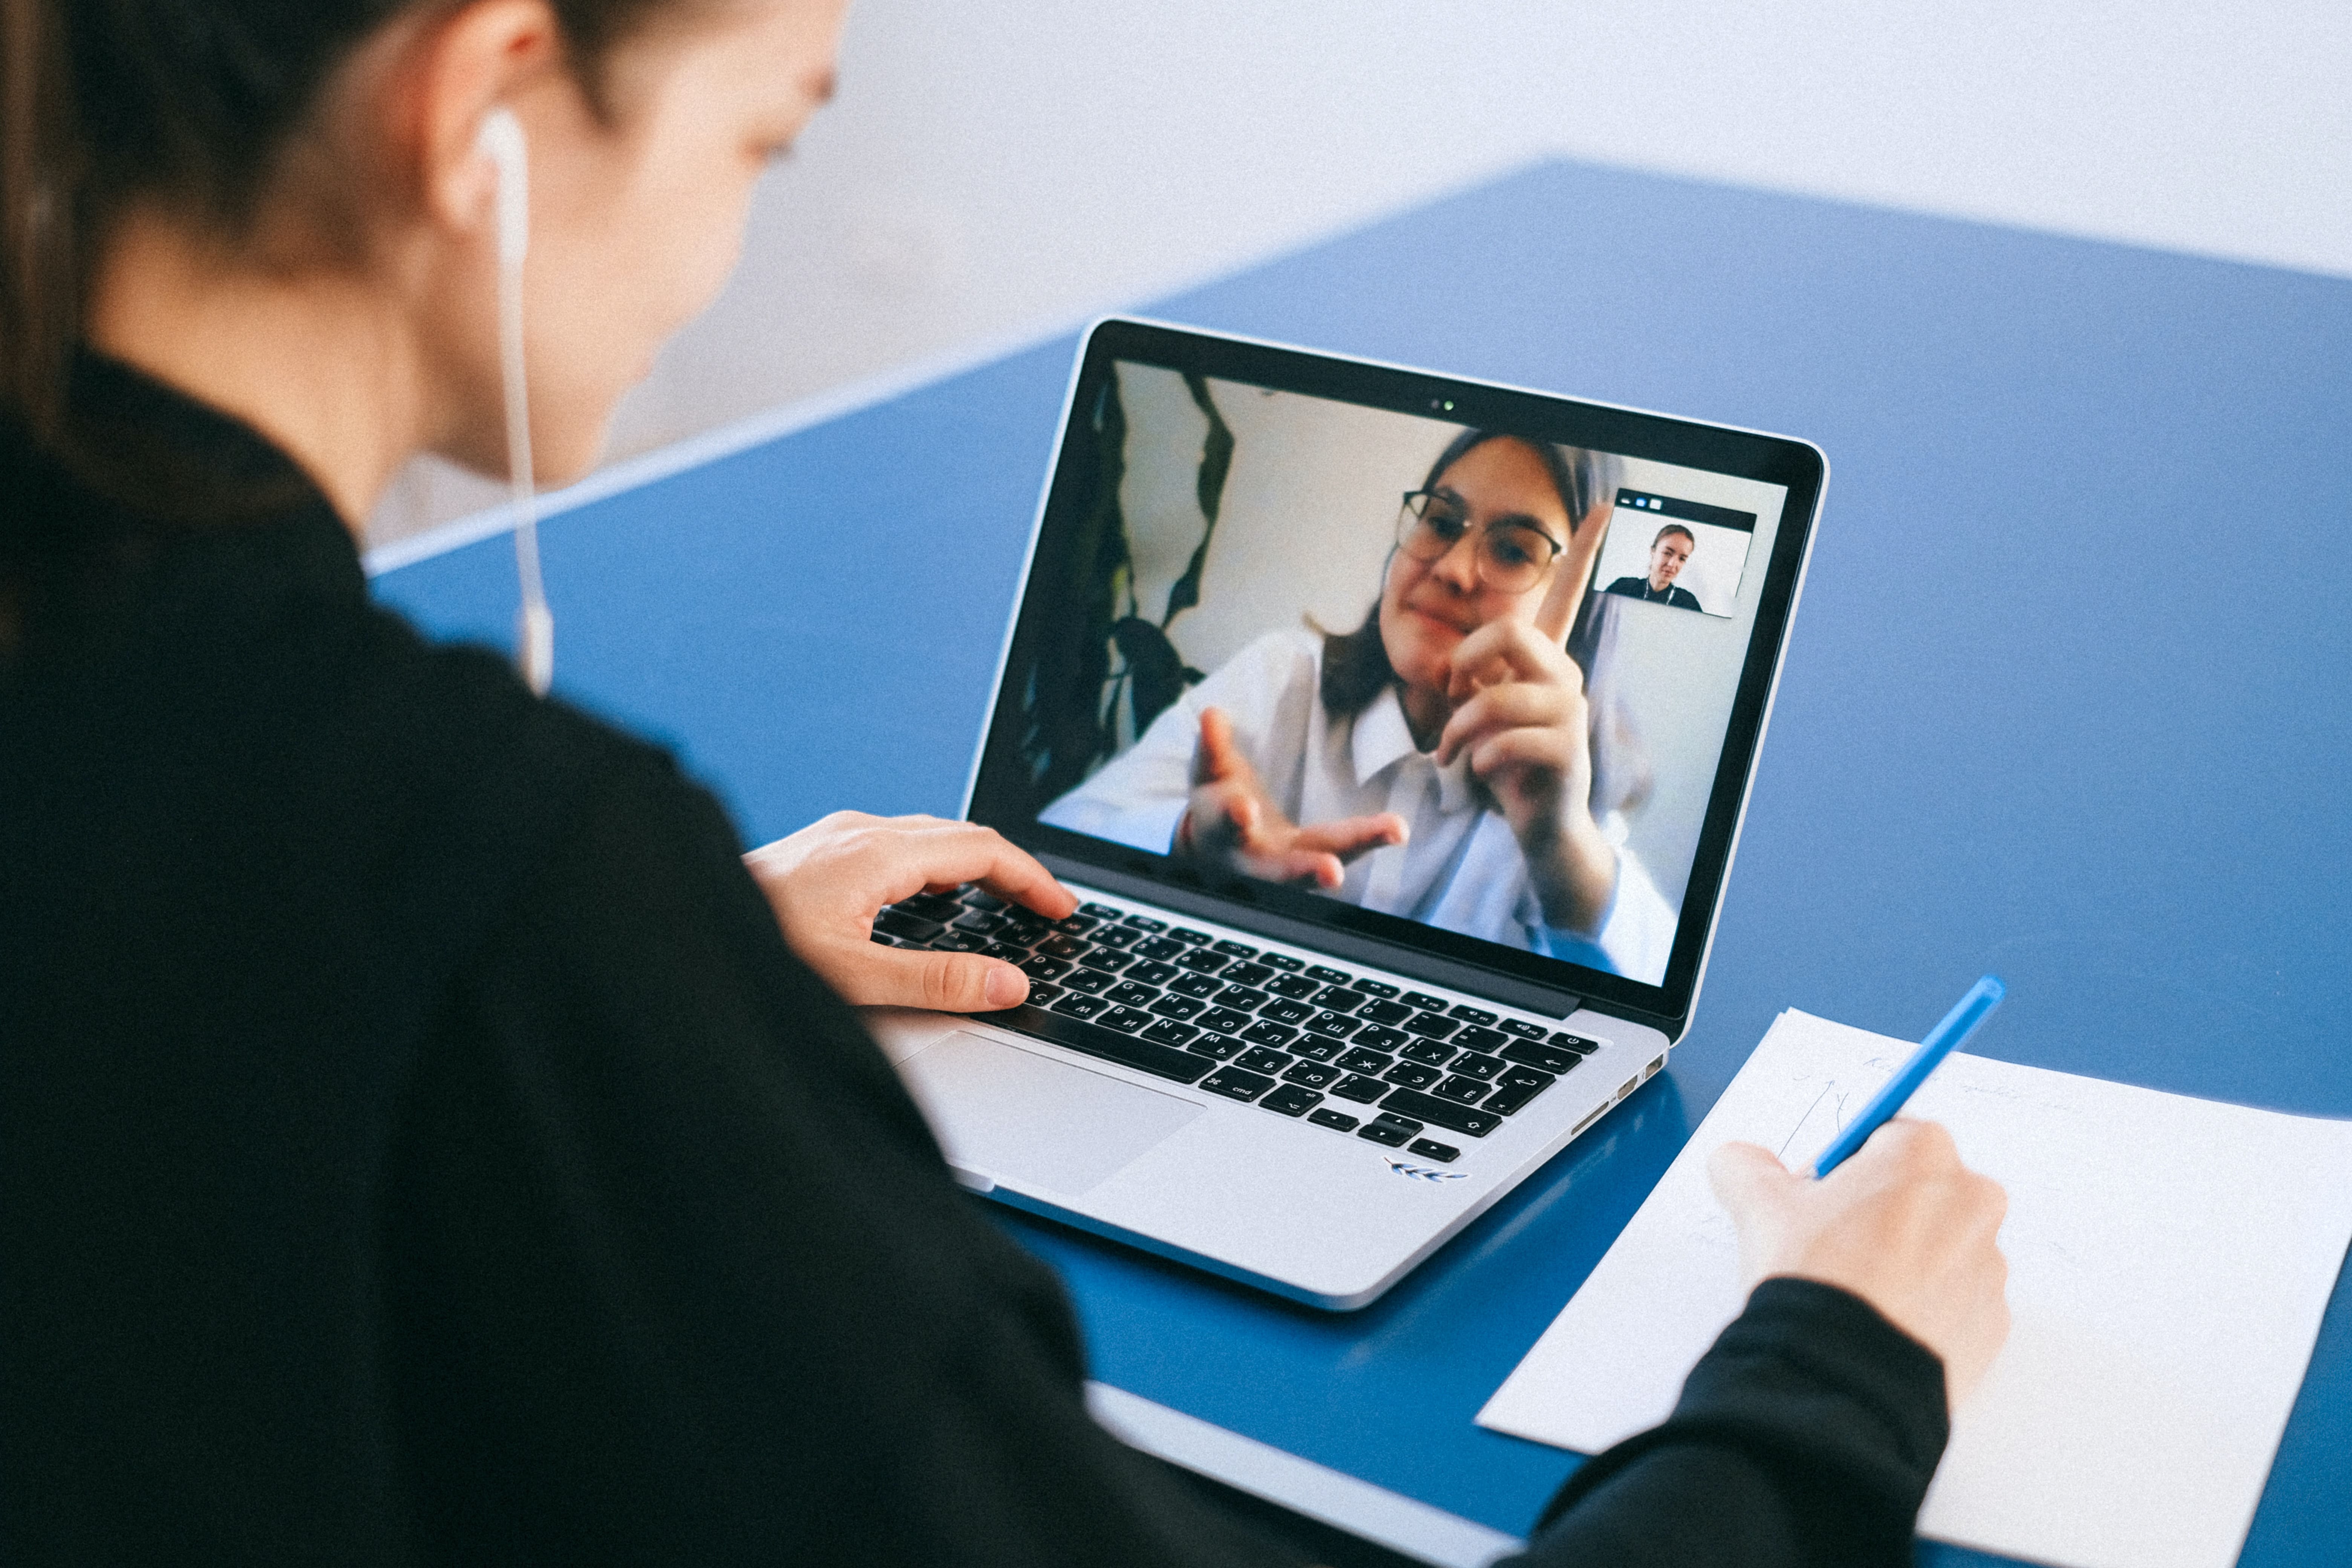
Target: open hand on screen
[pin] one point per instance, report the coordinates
(1233, 820)
(828, 881)
(1903, 1224)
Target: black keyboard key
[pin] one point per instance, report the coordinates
(1283, 1010)
(1242, 999)
(1337, 1026)
(1126, 1020)
(1079, 1007)
(1296, 986)
(1264, 1034)
(980, 898)
(1263, 1059)
(1577, 1043)
(879, 940)
(1337, 1120)
(1202, 960)
(1483, 1068)
(1045, 968)
(1160, 947)
(1224, 1020)
(1508, 1097)
(1430, 1149)
(1143, 922)
(1177, 1007)
(1026, 928)
(1542, 1058)
(1431, 1053)
(1385, 1012)
(1314, 1048)
(1525, 1077)
(1169, 1032)
(1339, 999)
(1524, 1029)
(1187, 934)
(1466, 1091)
(1413, 1075)
(1376, 1038)
(1105, 961)
(1375, 987)
(1392, 1119)
(1096, 1041)
(1041, 993)
(1384, 1132)
(1235, 1084)
(1470, 1015)
(1220, 1047)
(1362, 1091)
(911, 928)
(1423, 1000)
(1060, 946)
(1088, 980)
(1075, 925)
(1314, 1075)
(1249, 973)
(1291, 1099)
(957, 942)
(978, 921)
(1442, 1112)
(1429, 1026)
(938, 907)
(1361, 1060)
(1100, 912)
(1278, 961)
(1202, 985)
(1480, 1039)
(1233, 949)
(1152, 974)
(1331, 976)
(1116, 936)
(1128, 993)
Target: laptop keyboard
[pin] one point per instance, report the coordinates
(1354, 1053)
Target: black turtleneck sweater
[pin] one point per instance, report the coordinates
(418, 1144)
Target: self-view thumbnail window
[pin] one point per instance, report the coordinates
(1682, 554)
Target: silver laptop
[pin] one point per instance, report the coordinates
(1395, 730)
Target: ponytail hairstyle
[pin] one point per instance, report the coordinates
(187, 104)
(1356, 667)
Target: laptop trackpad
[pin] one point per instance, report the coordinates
(1030, 1122)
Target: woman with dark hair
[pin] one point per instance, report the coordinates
(1438, 761)
(418, 1140)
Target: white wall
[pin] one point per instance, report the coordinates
(998, 168)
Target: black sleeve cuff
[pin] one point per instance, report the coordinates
(1838, 1413)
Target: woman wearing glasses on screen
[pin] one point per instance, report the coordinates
(1441, 762)
(420, 1139)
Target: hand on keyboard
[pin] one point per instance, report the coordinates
(828, 882)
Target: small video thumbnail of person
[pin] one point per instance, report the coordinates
(1684, 554)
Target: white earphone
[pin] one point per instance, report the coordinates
(501, 142)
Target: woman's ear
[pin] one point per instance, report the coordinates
(482, 56)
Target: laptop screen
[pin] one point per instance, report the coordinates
(1417, 662)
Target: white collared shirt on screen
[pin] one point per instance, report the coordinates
(1460, 869)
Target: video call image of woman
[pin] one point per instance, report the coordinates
(1448, 761)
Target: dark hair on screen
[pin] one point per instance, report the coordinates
(188, 104)
(1356, 667)
(1673, 527)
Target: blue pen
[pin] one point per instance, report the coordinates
(1967, 1015)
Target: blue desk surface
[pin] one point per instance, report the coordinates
(2067, 698)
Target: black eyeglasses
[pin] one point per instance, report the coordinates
(1512, 555)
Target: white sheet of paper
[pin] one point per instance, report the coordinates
(2170, 1262)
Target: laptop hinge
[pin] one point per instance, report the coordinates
(1510, 990)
